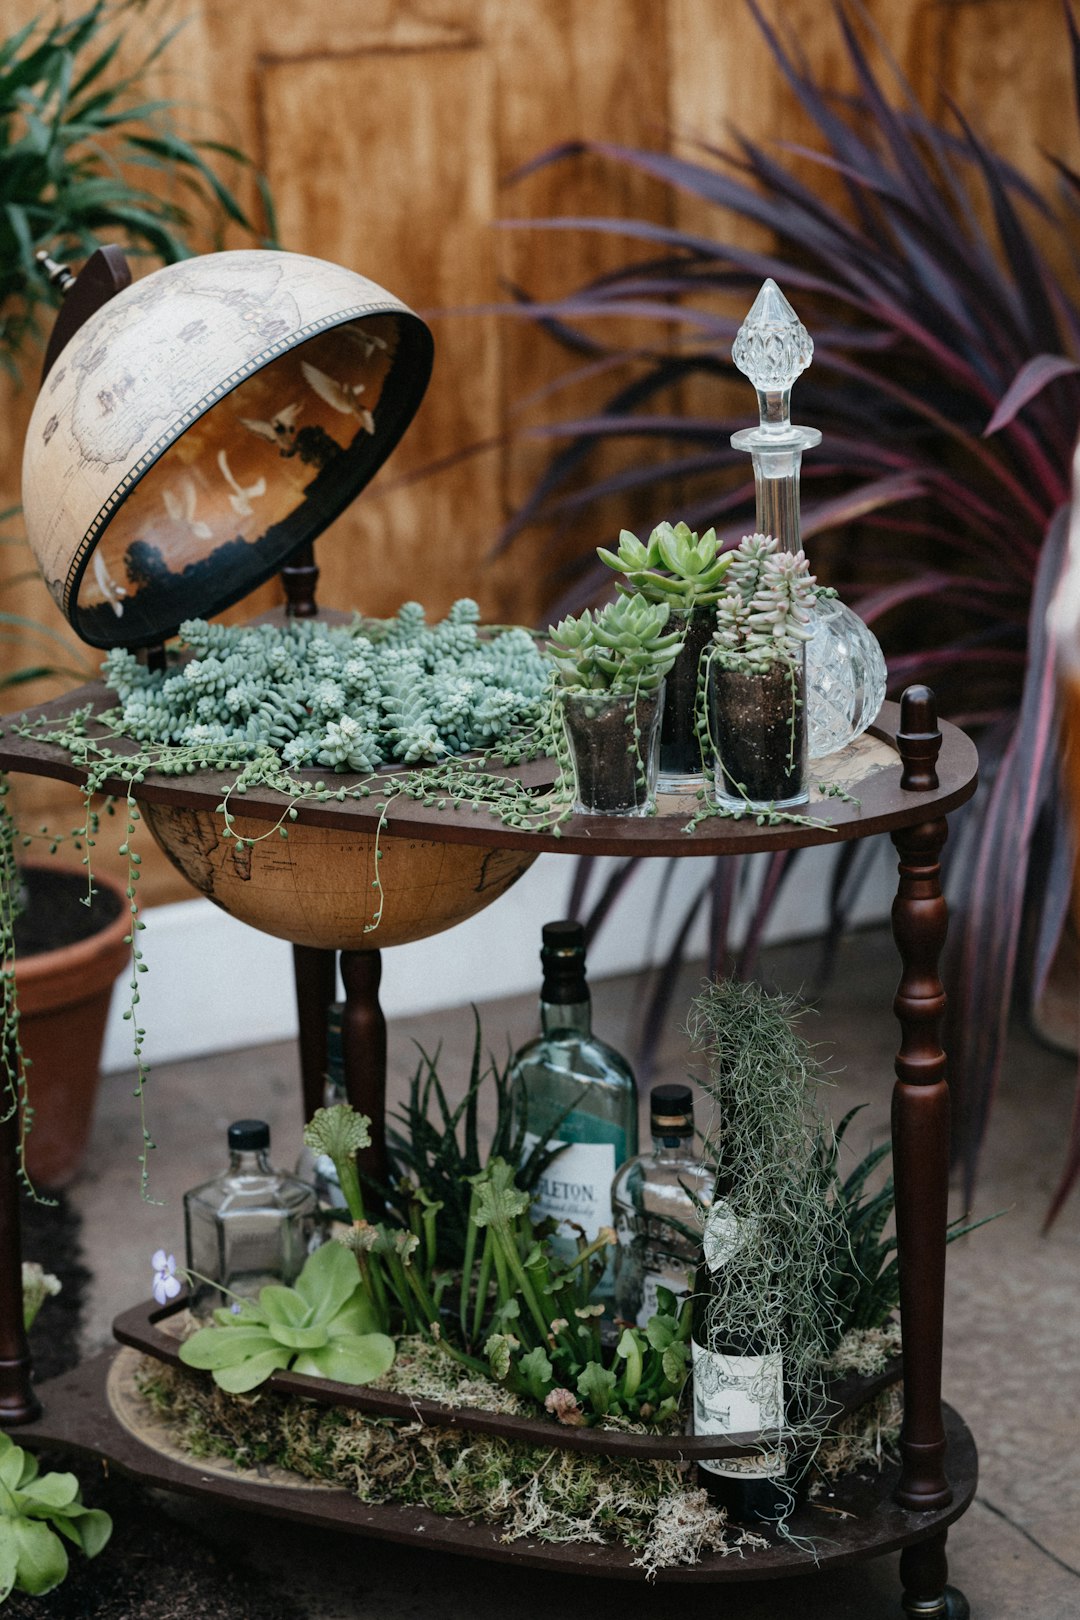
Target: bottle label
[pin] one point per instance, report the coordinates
(677, 1281)
(738, 1395)
(724, 1235)
(576, 1186)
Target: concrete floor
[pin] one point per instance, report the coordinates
(1012, 1326)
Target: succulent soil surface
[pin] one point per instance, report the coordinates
(54, 913)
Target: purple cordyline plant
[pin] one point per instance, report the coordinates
(946, 385)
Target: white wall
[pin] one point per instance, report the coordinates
(215, 984)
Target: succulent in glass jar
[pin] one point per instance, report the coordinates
(611, 667)
(757, 677)
(623, 647)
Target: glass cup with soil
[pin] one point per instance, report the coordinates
(681, 768)
(614, 741)
(757, 720)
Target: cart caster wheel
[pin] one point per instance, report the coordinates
(951, 1605)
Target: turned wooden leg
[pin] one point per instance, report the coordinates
(920, 1120)
(924, 1573)
(315, 973)
(18, 1403)
(364, 1053)
(300, 576)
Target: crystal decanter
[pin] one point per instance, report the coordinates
(845, 667)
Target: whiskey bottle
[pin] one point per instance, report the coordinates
(576, 1093)
(738, 1380)
(251, 1226)
(658, 1201)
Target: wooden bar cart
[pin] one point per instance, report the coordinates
(906, 775)
(263, 357)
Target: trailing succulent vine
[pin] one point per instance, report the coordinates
(394, 709)
(350, 697)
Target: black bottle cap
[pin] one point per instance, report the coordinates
(248, 1135)
(562, 939)
(562, 955)
(671, 1109)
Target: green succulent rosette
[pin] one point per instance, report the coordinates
(675, 566)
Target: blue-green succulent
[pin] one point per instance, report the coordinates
(346, 697)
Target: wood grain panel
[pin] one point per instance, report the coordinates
(385, 159)
(572, 69)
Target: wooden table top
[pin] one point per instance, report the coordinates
(868, 770)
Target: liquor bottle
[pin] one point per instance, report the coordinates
(318, 1168)
(577, 1093)
(251, 1226)
(738, 1379)
(658, 1199)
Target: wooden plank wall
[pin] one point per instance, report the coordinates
(390, 131)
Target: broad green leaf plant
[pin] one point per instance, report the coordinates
(325, 1325)
(35, 1511)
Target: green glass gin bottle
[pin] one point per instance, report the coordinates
(575, 1092)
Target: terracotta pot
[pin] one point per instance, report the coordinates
(64, 997)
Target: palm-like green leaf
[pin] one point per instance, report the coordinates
(72, 140)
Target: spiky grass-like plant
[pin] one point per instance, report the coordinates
(438, 1147)
(73, 137)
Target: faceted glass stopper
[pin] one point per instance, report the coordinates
(772, 346)
(845, 678)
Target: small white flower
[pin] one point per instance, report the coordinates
(166, 1283)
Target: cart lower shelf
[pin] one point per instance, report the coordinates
(90, 1411)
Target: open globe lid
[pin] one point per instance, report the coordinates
(205, 423)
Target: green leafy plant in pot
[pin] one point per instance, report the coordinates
(757, 678)
(685, 571)
(610, 670)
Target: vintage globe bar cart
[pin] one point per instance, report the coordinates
(201, 363)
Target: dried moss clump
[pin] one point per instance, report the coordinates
(868, 1438)
(544, 1492)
